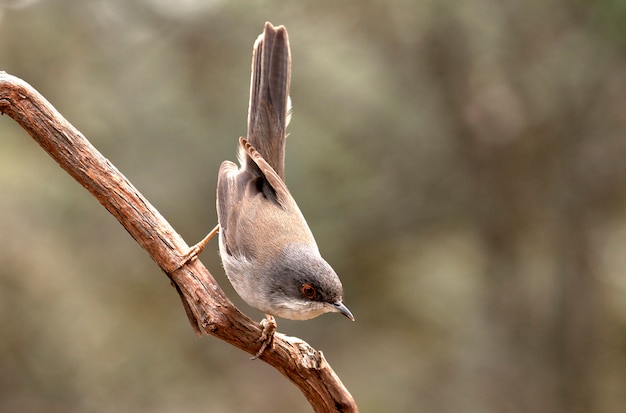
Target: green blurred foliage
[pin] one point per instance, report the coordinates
(461, 164)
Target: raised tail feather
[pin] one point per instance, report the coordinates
(269, 97)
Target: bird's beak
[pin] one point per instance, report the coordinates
(343, 310)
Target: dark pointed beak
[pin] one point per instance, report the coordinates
(343, 310)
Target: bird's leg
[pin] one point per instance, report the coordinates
(197, 249)
(267, 336)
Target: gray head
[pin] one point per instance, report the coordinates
(303, 285)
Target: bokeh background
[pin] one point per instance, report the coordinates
(462, 164)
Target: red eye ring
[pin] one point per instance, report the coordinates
(308, 290)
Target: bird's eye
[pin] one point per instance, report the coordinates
(307, 290)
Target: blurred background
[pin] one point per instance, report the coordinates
(462, 164)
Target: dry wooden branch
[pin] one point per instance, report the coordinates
(206, 305)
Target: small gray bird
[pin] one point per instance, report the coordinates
(267, 249)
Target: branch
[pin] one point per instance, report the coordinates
(206, 305)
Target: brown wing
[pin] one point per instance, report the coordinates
(279, 192)
(237, 193)
(256, 202)
(230, 192)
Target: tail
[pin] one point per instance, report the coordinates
(269, 108)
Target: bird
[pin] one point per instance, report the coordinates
(268, 251)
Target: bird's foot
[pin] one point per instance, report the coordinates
(194, 251)
(267, 336)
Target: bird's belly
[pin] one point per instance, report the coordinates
(241, 274)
